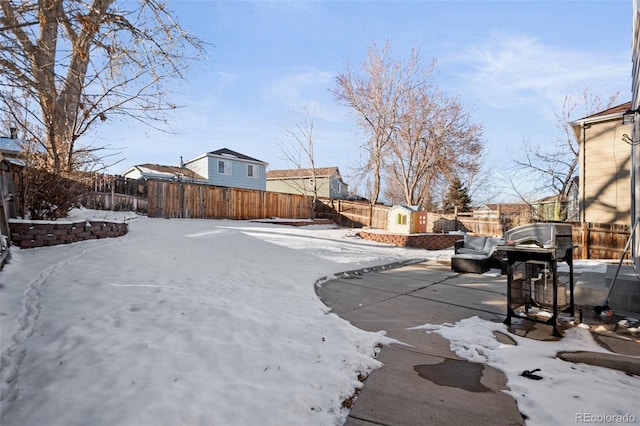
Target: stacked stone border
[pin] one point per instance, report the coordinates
(423, 241)
(30, 234)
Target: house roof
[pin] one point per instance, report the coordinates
(226, 152)
(549, 199)
(618, 109)
(613, 113)
(304, 173)
(505, 208)
(10, 145)
(168, 171)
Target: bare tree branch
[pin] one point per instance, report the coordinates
(75, 63)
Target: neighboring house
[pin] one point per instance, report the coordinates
(605, 166)
(404, 219)
(573, 200)
(550, 209)
(635, 134)
(514, 214)
(328, 182)
(158, 171)
(225, 167)
(485, 212)
(11, 152)
(11, 163)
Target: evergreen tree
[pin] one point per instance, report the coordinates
(457, 196)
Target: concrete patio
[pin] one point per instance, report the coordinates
(422, 381)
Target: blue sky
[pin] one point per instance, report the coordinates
(511, 63)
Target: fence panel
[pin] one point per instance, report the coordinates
(599, 240)
(187, 200)
(352, 213)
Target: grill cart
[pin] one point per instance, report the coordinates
(533, 283)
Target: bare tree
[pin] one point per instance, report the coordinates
(300, 156)
(68, 65)
(374, 98)
(434, 138)
(415, 133)
(553, 167)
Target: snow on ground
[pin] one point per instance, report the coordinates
(184, 322)
(566, 393)
(216, 322)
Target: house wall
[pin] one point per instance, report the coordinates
(605, 173)
(200, 166)
(338, 189)
(132, 174)
(295, 186)
(208, 166)
(635, 149)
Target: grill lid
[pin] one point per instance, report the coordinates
(547, 235)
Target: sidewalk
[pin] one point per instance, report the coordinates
(426, 383)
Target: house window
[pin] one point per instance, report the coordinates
(224, 167)
(252, 170)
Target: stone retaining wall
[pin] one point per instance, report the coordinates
(29, 234)
(423, 241)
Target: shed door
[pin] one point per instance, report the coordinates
(422, 221)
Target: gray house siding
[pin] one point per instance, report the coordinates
(238, 175)
(230, 170)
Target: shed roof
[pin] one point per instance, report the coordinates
(404, 207)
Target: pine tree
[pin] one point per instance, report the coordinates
(457, 196)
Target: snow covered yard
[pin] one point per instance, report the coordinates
(183, 322)
(203, 322)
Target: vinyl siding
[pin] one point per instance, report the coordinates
(295, 186)
(208, 166)
(606, 182)
(238, 177)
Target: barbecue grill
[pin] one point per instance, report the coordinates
(533, 252)
(557, 236)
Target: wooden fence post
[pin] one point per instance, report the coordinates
(113, 192)
(585, 240)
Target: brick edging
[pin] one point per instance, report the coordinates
(30, 234)
(423, 241)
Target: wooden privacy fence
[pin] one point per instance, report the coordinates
(114, 201)
(111, 192)
(599, 240)
(361, 213)
(354, 214)
(187, 200)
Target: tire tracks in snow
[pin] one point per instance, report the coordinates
(12, 357)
